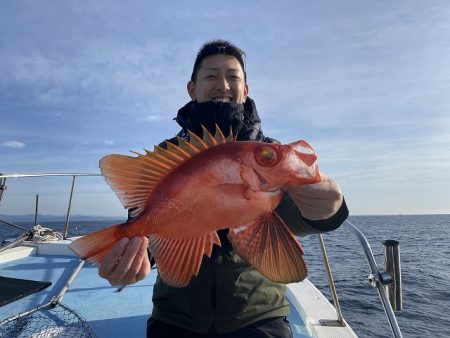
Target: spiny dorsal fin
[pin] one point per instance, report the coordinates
(230, 138)
(197, 141)
(134, 178)
(174, 149)
(189, 147)
(161, 158)
(208, 138)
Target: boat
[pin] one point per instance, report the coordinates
(47, 291)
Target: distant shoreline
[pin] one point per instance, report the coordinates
(55, 218)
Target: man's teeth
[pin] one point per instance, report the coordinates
(222, 99)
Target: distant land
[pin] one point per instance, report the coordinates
(54, 218)
(77, 217)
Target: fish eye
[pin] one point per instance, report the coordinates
(266, 156)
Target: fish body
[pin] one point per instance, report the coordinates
(184, 194)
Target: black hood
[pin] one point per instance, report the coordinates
(242, 118)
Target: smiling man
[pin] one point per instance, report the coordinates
(220, 78)
(228, 298)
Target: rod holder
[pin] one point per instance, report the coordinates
(392, 266)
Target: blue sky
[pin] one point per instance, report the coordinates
(367, 83)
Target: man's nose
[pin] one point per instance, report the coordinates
(222, 83)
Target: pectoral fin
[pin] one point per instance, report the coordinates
(268, 245)
(178, 260)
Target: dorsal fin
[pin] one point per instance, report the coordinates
(208, 138)
(134, 178)
(189, 147)
(197, 141)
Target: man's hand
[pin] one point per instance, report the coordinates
(317, 201)
(127, 262)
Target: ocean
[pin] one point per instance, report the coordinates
(425, 262)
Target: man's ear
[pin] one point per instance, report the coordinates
(246, 90)
(191, 90)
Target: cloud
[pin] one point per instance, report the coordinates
(151, 118)
(366, 85)
(13, 144)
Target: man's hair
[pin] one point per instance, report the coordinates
(216, 47)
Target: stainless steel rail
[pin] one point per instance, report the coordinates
(55, 301)
(2, 186)
(386, 282)
(66, 223)
(14, 225)
(340, 319)
(47, 174)
(378, 279)
(3, 178)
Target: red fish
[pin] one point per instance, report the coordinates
(183, 194)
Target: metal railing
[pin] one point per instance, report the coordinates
(2, 186)
(388, 283)
(3, 179)
(378, 278)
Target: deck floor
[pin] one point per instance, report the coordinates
(106, 316)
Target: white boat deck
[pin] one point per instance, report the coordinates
(124, 314)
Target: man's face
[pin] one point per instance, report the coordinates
(220, 78)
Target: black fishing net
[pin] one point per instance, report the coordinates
(46, 321)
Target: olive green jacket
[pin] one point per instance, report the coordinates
(229, 294)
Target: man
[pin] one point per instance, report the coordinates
(228, 298)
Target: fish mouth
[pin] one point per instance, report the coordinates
(265, 186)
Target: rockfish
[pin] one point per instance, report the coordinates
(181, 196)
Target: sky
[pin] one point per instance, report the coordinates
(367, 83)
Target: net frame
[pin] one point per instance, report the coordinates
(52, 319)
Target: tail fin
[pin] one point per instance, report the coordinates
(97, 244)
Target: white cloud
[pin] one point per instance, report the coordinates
(108, 142)
(151, 118)
(13, 144)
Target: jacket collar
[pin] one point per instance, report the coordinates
(242, 118)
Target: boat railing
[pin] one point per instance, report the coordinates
(378, 278)
(382, 280)
(28, 232)
(2, 186)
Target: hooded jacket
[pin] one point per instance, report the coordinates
(229, 294)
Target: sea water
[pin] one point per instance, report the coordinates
(425, 263)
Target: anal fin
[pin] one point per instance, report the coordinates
(178, 260)
(268, 245)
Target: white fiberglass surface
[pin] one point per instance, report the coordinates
(109, 313)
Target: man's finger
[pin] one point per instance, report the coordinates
(120, 273)
(138, 269)
(108, 263)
